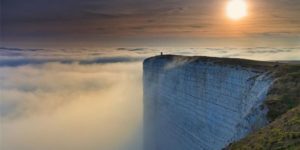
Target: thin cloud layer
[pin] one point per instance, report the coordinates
(25, 56)
(32, 61)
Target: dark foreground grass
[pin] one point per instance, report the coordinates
(285, 92)
(283, 132)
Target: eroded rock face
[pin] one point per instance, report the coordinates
(197, 103)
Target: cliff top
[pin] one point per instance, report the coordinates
(257, 65)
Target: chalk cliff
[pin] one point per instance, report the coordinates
(202, 103)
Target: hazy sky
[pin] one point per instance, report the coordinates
(148, 23)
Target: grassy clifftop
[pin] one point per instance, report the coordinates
(285, 92)
(284, 114)
(281, 134)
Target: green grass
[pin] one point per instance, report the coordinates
(283, 102)
(285, 92)
(282, 134)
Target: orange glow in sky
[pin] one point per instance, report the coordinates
(236, 9)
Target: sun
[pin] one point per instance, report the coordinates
(236, 9)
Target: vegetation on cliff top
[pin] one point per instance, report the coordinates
(282, 134)
(285, 92)
(284, 114)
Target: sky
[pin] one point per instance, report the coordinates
(168, 23)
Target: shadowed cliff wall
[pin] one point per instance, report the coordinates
(194, 103)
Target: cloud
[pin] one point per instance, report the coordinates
(15, 62)
(272, 51)
(21, 49)
(70, 99)
(71, 106)
(199, 26)
(274, 34)
(47, 78)
(133, 49)
(110, 60)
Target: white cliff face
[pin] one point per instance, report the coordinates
(200, 105)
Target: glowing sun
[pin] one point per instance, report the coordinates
(236, 9)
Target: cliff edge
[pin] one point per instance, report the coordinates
(194, 103)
